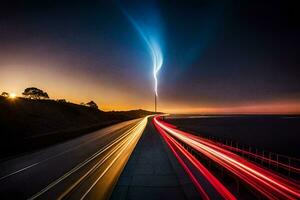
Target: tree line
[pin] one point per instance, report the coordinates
(37, 94)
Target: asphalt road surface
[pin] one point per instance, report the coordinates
(137, 160)
(153, 172)
(83, 168)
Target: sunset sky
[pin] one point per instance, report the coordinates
(219, 56)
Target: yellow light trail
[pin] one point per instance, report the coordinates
(104, 188)
(110, 160)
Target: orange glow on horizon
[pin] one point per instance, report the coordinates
(61, 84)
(279, 107)
(110, 95)
(283, 107)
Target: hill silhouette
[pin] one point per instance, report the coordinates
(31, 124)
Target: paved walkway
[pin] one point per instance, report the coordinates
(152, 172)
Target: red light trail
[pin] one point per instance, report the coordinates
(267, 160)
(266, 182)
(175, 147)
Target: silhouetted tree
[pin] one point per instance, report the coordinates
(5, 94)
(35, 93)
(45, 95)
(61, 100)
(92, 104)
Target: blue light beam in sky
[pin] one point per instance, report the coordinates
(157, 60)
(154, 49)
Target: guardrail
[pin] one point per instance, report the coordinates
(282, 163)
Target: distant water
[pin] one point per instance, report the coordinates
(275, 133)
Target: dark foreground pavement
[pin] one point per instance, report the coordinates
(152, 172)
(89, 166)
(83, 168)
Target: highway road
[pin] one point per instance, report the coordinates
(83, 168)
(137, 160)
(266, 182)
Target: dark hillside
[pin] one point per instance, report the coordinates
(42, 122)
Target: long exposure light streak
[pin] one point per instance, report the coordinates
(266, 182)
(153, 47)
(219, 187)
(234, 149)
(198, 186)
(110, 159)
(262, 158)
(125, 150)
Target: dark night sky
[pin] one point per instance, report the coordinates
(217, 54)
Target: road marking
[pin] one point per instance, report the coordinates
(137, 134)
(59, 154)
(96, 166)
(80, 165)
(20, 170)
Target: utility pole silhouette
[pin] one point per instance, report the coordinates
(155, 102)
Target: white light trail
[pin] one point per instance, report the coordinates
(157, 60)
(154, 48)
